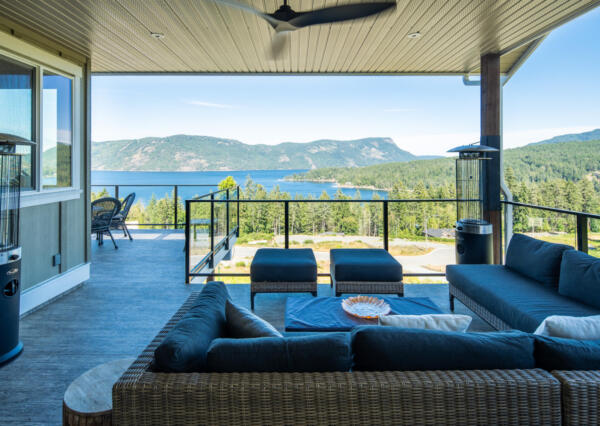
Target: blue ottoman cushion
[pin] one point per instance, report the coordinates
(283, 265)
(364, 265)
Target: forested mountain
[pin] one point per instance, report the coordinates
(593, 135)
(199, 153)
(570, 161)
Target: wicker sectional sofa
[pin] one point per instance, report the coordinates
(533, 396)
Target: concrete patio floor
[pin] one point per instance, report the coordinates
(132, 292)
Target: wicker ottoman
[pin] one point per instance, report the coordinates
(370, 271)
(283, 271)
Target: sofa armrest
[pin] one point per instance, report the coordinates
(580, 396)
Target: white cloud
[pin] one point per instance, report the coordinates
(210, 104)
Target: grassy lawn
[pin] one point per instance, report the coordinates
(570, 239)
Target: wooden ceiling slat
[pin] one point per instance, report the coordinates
(207, 37)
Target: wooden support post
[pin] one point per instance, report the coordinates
(491, 135)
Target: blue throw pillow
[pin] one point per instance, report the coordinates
(314, 353)
(402, 349)
(580, 277)
(242, 323)
(554, 353)
(535, 259)
(183, 349)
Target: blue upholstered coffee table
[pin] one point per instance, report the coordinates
(326, 313)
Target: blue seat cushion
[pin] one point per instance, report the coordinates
(283, 265)
(313, 353)
(403, 349)
(535, 259)
(242, 323)
(553, 353)
(184, 348)
(364, 265)
(520, 302)
(580, 277)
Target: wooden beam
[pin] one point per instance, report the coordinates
(491, 135)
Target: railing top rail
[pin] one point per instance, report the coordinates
(199, 198)
(292, 200)
(157, 184)
(552, 209)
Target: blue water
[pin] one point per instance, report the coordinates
(267, 178)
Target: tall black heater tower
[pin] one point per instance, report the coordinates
(473, 234)
(10, 252)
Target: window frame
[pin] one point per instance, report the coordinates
(41, 60)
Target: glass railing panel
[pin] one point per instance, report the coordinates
(421, 238)
(220, 218)
(99, 191)
(594, 238)
(233, 209)
(261, 225)
(545, 225)
(323, 226)
(199, 232)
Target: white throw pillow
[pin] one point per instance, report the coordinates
(443, 322)
(581, 328)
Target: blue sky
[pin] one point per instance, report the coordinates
(556, 91)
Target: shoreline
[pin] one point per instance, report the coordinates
(340, 185)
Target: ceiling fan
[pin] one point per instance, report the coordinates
(285, 20)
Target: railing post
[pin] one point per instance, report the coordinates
(227, 221)
(212, 231)
(117, 192)
(187, 241)
(238, 213)
(175, 196)
(582, 233)
(286, 217)
(386, 242)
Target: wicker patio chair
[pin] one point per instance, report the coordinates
(120, 218)
(103, 212)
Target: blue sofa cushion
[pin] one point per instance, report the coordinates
(520, 302)
(395, 348)
(184, 348)
(314, 353)
(241, 323)
(535, 259)
(281, 265)
(553, 353)
(364, 265)
(580, 277)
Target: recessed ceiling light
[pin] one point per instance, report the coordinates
(157, 36)
(416, 34)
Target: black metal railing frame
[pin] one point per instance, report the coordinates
(582, 220)
(231, 196)
(175, 191)
(208, 259)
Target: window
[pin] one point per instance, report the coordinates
(57, 130)
(17, 111)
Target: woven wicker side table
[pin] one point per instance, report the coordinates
(88, 400)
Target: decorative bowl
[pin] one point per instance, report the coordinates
(365, 306)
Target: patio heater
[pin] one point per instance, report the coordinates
(10, 252)
(473, 234)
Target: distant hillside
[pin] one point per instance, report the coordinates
(593, 135)
(198, 153)
(570, 161)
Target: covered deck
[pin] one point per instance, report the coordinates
(131, 294)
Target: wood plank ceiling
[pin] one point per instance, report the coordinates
(206, 37)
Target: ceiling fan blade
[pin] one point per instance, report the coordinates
(340, 13)
(280, 42)
(242, 6)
